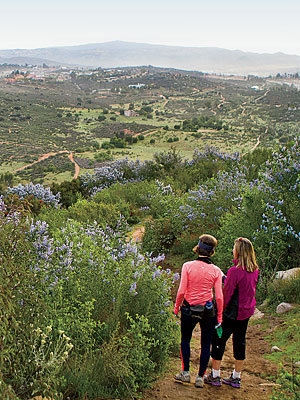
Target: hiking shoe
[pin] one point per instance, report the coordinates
(210, 380)
(234, 382)
(199, 383)
(183, 376)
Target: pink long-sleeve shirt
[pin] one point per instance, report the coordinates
(196, 285)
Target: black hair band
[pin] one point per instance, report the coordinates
(204, 246)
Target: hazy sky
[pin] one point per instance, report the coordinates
(251, 25)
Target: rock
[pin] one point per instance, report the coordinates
(275, 349)
(269, 384)
(290, 273)
(283, 307)
(257, 315)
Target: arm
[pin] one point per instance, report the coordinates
(219, 296)
(230, 285)
(181, 290)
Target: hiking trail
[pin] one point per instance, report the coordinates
(253, 385)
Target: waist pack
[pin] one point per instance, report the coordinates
(199, 311)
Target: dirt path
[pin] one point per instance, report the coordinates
(254, 386)
(138, 233)
(144, 134)
(220, 105)
(43, 157)
(257, 143)
(261, 97)
(15, 144)
(243, 108)
(255, 146)
(77, 168)
(207, 130)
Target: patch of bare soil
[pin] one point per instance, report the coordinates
(253, 385)
(138, 233)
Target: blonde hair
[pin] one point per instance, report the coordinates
(245, 254)
(209, 243)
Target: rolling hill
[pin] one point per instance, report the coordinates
(121, 54)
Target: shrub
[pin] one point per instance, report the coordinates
(26, 367)
(289, 381)
(90, 211)
(38, 191)
(104, 294)
(284, 290)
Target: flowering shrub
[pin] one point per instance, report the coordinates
(38, 191)
(198, 210)
(121, 171)
(91, 277)
(90, 282)
(47, 351)
(268, 215)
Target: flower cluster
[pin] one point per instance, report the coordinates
(211, 152)
(274, 222)
(215, 197)
(8, 216)
(121, 171)
(163, 189)
(37, 190)
(115, 263)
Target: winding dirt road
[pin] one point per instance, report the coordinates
(41, 158)
(47, 155)
(77, 168)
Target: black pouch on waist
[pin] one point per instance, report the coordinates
(197, 311)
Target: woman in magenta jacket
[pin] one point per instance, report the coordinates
(239, 305)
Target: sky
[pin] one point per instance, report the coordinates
(262, 26)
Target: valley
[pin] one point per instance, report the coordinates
(94, 115)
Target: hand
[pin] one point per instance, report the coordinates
(219, 330)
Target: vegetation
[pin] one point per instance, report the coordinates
(83, 300)
(85, 312)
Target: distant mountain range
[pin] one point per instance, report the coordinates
(123, 54)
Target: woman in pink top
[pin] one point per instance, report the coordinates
(195, 300)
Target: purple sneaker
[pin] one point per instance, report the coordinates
(210, 380)
(234, 382)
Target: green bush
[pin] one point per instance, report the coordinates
(289, 381)
(26, 369)
(284, 290)
(90, 211)
(160, 235)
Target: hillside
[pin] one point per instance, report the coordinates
(122, 54)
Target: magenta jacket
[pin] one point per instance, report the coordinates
(239, 293)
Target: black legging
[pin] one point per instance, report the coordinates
(238, 330)
(207, 326)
